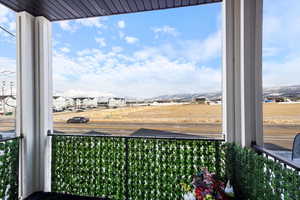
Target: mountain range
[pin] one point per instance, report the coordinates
(283, 91)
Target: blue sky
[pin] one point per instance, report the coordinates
(160, 52)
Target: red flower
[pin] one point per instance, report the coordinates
(206, 183)
(198, 193)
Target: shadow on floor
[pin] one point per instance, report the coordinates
(275, 147)
(55, 196)
(92, 133)
(158, 133)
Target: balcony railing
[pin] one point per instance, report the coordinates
(9, 164)
(152, 168)
(130, 167)
(259, 175)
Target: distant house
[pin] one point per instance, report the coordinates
(85, 103)
(181, 100)
(137, 103)
(268, 101)
(90, 102)
(7, 105)
(102, 102)
(162, 101)
(93, 102)
(59, 103)
(200, 100)
(276, 99)
(216, 101)
(69, 102)
(1, 107)
(116, 102)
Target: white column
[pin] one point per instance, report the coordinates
(242, 71)
(43, 78)
(231, 70)
(251, 71)
(34, 101)
(25, 101)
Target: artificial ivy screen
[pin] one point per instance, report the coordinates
(256, 177)
(145, 168)
(9, 160)
(129, 168)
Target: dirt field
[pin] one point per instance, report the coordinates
(281, 121)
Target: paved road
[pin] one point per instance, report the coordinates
(282, 135)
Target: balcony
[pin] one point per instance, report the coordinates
(116, 167)
(40, 165)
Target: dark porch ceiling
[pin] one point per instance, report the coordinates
(55, 10)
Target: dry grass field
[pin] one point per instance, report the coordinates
(281, 121)
(188, 113)
(275, 113)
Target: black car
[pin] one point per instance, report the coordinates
(78, 120)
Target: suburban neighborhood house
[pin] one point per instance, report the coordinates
(7, 105)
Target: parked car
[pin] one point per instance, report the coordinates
(78, 120)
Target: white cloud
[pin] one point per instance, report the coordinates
(270, 51)
(101, 41)
(203, 50)
(74, 25)
(85, 93)
(7, 65)
(121, 34)
(121, 24)
(117, 49)
(282, 30)
(197, 51)
(175, 67)
(282, 73)
(65, 49)
(281, 43)
(4, 12)
(113, 72)
(67, 26)
(12, 26)
(131, 40)
(91, 22)
(169, 30)
(7, 20)
(8, 72)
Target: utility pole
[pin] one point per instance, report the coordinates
(11, 88)
(3, 98)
